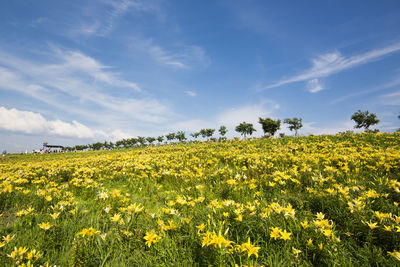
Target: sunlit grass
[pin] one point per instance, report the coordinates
(319, 200)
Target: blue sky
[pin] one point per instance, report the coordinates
(76, 72)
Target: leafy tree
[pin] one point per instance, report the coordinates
(80, 147)
(294, 124)
(269, 125)
(180, 136)
(195, 135)
(141, 140)
(131, 142)
(364, 119)
(119, 143)
(150, 140)
(160, 138)
(170, 136)
(222, 130)
(245, 128)
(207, 132)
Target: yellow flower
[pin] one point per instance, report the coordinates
(387, 228)
(309, 242)
(88, 232)
(275, 232)
(33, 254)
(135, 208)
(327, 232)
(395, 254)
(201, 227)
(54, 215)
(285, 235)
(116, 217)
(18, 253)
(296, 251)
(45, 225)
(151, 238)
(304, 224)
(320, 246)
(320, 216)
(7, 239)
(372, 225)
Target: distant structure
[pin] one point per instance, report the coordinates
(47, 147)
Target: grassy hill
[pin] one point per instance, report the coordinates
(318, 200)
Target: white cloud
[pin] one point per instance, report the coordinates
(179, 56)
(230, 118)
(191, 93)
(314, 86)
(34, 123)
(393, 83)
(103, 19)
(392, 99)
(249, 113)
(72, 79)
(330, 63)
(193, 125)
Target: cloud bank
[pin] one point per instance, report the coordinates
(28, 122)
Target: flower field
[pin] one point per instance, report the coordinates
(318, 200)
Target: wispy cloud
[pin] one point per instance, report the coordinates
(178, 56)
(330, 63)
(314, 85)
(81, 80)
(393, 83)
(392, 99)
(28, 122)
(103, 19)
(191, 93)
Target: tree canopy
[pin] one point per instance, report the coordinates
(245, 128)
(294, 124)
(364, 119)
(269, 125)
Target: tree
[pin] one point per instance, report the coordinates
(294, 124)
(222, 130)
(195, 135)
(180, 136)
(160, 138)
(119, 143)
(131, 142)
(150, 140)
(207, 132)
(269, 125)
(170, 136)
(245, 128)
(364, 119)
(141, 140)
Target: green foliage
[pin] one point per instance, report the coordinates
(150, 140)
(180, 135)
(222, 130)
(269, 125)
(170, 136)
(207, 133)
(294, 124)
(240, 189)
(245, 128)
(364, 119)
(160, 138)
(195, 135)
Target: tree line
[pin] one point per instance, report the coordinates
(363, 119)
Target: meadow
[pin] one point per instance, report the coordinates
(307, 201)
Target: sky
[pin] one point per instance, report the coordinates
(77, 72)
